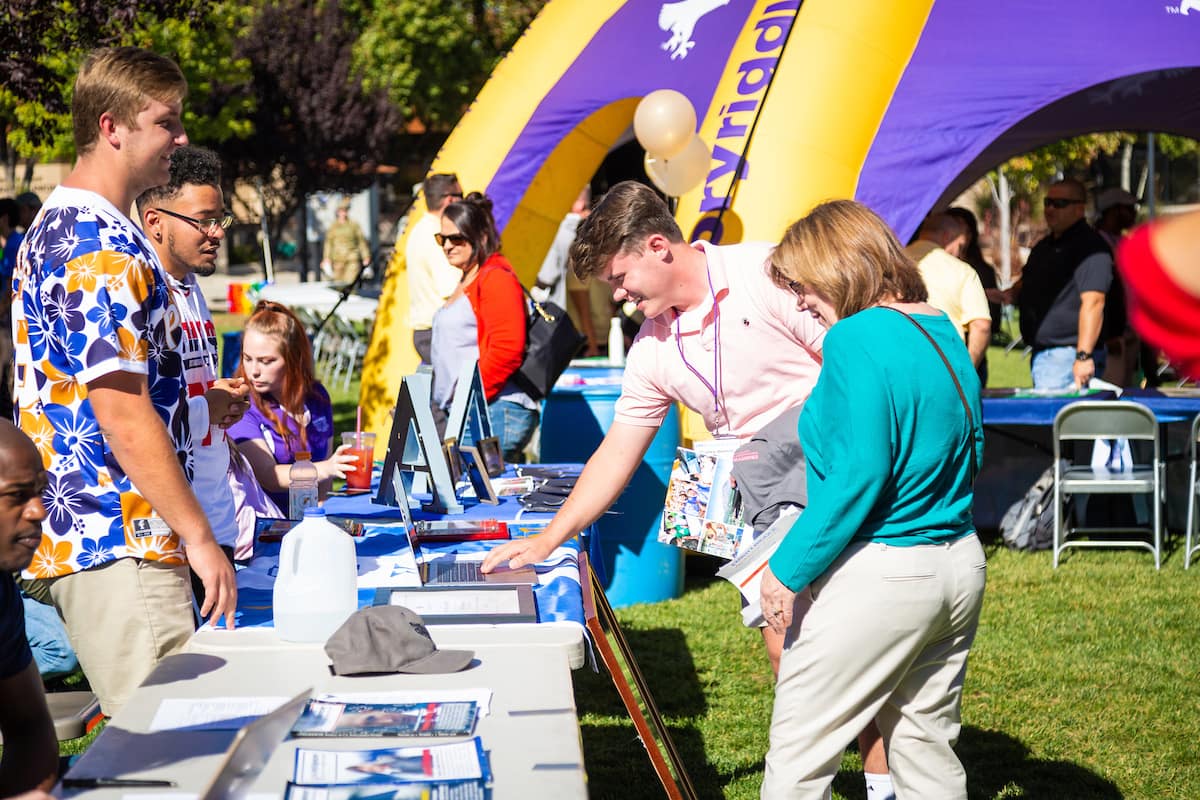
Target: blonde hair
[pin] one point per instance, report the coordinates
(844, 251)
(118, 81)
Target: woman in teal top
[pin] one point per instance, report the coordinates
(879, 583)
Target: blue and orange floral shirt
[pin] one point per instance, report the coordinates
(90, 299)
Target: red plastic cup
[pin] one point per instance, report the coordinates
(362, 447)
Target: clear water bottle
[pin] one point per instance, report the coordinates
(316, 587)
(616, 342)
(302, 485)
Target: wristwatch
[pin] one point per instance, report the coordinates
(1083, 355)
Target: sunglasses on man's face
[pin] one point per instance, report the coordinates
(453, 238)
(1059, 202)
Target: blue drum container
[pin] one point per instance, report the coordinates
(636, 568)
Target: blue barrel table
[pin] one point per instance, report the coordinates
(636, 568)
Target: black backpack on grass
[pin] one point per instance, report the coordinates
(1029, 523)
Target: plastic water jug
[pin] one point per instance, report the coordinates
(317, 585)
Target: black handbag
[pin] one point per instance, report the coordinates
(551, 341)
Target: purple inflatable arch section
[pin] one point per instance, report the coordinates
(989, 80)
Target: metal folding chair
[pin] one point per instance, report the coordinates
(1191, 545)
(1090, 421)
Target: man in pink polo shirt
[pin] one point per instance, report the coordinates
(719, 337)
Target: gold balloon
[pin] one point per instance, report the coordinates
(664, 122)
(675, 176)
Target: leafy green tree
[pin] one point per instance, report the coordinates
(43, 41)
(1030, 173)
(433, 56)
(314, 125)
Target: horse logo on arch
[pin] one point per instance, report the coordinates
(680, 19)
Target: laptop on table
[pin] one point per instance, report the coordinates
(251, 749)
(458, 569)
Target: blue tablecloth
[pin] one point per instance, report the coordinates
(1031, 410)
(1166, 407)
(1042, 410)
(558, 593)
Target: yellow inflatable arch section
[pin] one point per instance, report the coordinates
(565, 94)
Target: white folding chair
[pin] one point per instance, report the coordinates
(1190, 544)
(1090, 421)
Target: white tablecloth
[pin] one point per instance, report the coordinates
(319, 297)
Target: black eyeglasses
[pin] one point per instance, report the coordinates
(206, 226)
(1059, 202)
(453, 238)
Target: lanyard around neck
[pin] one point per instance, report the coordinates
(714, 387)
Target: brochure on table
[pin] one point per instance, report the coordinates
(459, 761)
(459, 790)
(338, 718)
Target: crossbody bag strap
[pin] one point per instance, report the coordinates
(537, 307)
(954, 377)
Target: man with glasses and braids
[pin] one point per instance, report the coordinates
(185, 220)
(1063, 291)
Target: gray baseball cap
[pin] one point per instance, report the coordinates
(390, 639)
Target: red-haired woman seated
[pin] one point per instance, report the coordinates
(290, 411)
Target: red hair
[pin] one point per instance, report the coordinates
(277, 321)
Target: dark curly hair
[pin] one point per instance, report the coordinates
(190, 166)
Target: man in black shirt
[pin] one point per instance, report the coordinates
(1063, 293)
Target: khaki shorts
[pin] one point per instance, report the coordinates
(123, 618)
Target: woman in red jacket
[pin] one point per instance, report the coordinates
(484, 318)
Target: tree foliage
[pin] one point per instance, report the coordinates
(39, 35)
(432, 57)
(1032, 172)
(45, 40)
(314, 125)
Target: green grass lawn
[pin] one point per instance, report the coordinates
(1081, 683)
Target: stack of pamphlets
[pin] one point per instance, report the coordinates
(334, 718)
(458, 771)
(745, 571)
(703, 510)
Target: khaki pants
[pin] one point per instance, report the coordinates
(123, 618)
(883, 634)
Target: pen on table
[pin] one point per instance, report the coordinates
(100, 783)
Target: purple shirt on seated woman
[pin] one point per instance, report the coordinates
(255, 425)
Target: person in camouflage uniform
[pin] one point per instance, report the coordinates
(345, 247)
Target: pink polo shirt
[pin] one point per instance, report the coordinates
(762, 358)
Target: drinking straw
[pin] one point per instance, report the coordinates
(358, 429)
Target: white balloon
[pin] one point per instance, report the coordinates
(664, 122)
(677, 176)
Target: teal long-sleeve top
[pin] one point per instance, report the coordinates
(887, 442)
